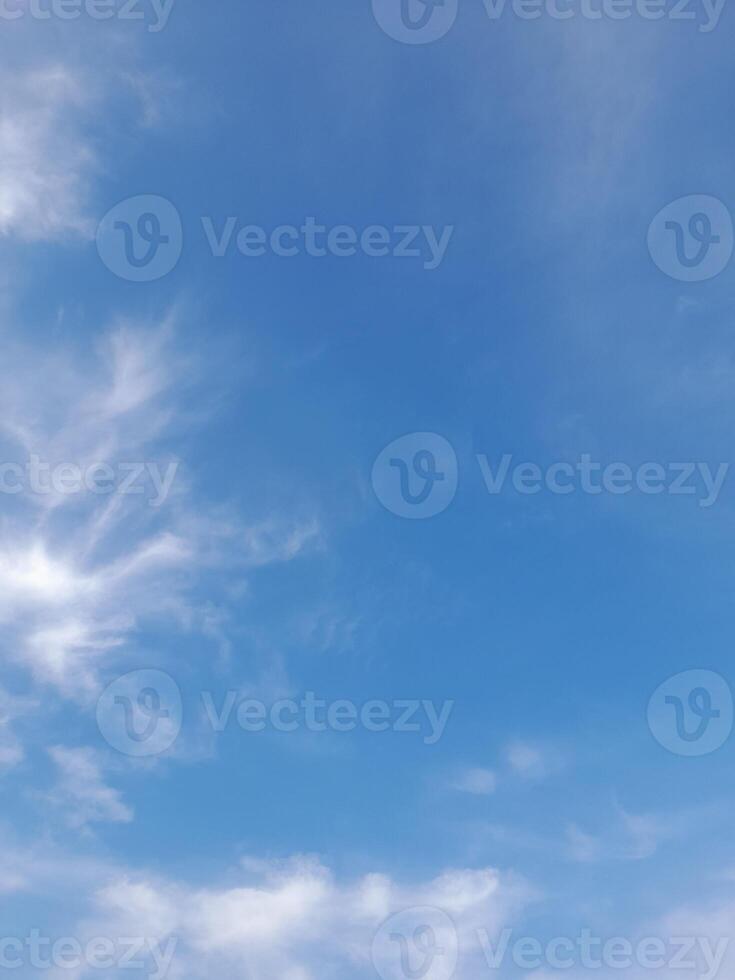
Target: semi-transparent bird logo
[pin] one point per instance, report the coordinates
(415, 21)
(140, 714)
(148, 232)
(416, 944)
(699, 229)
(146, 706)
(699, 708)
(691, 239)
(419, 953)
(141, 238)
(416, 476)
(691, 713)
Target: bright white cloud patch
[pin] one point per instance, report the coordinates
(73, 591)
(70, 592)
(295, 919)
(82, 573)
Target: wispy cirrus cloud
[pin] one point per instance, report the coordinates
(11, 747)
(80, 574)
(81, 791)
(533, 760)
(627, 837)
(44, 156)
(476, 781)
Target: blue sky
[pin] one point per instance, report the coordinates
(275, 563)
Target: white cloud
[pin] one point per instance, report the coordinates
(532, 760)
(264, 918)
(81, 790)
(629, 837)
(30, 577)
(11, 748)
(271, 541)
(91, 408)
(295, 919)
(44, 869)
(81, 574)
(54, 84)
(478, 781)
(44, 159)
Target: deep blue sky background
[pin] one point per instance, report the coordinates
(546, 332)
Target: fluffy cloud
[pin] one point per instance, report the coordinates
(295, 918)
